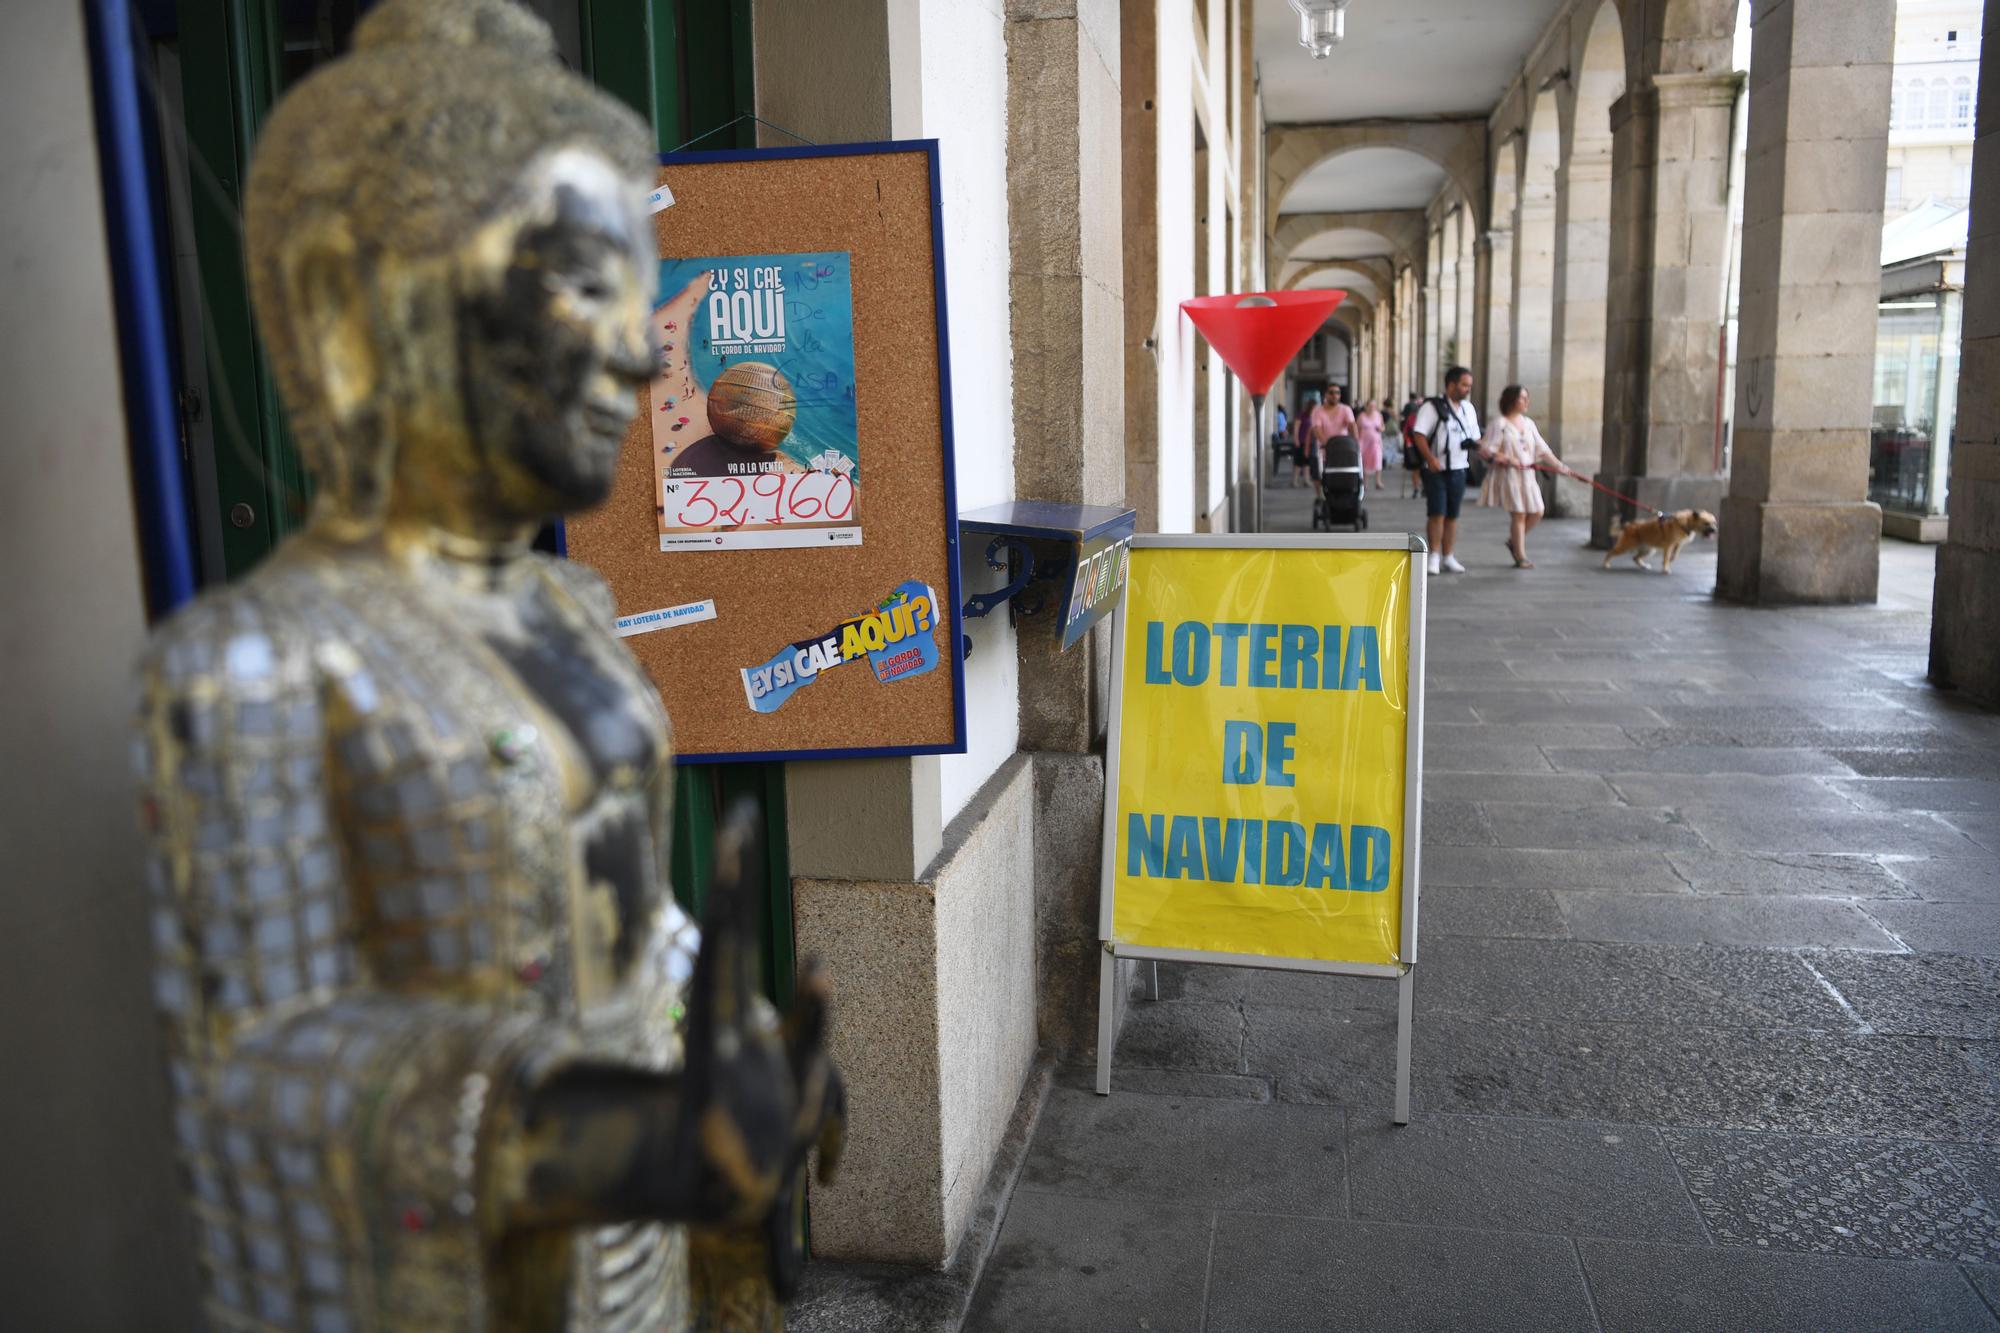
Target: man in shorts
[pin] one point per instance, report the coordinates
(1445, 432)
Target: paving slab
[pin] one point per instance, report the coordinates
(1240, 985)
(1681, 789)
(1189, 1035)
(1171, 1083)
(1457, 909)
(1301, 1275)
(1484, 757)
(1596, 827)
(1882, 1198)
(1622, 983)
(1931, 1088)
(1084, 1265)
(1698, 759)
(1456, 824)
(1536, 868)
(1763, 828)
(1948, 879)
(1979, 1165)
(1740, 919)
(1970, 795)
(1917, 994)
(1801, 874)
(1919, 761)
(1496, 789)
(1499, 1174)
(1967, 928)
(1196, 1151)
(1584, 707)
(1642, 1288)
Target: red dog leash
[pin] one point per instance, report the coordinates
(1561, 471)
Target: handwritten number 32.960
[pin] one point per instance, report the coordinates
(800, 497)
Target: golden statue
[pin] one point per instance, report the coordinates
(444, 1054)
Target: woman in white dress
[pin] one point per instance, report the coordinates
(1513, 447)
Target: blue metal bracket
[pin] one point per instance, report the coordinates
(985, 603)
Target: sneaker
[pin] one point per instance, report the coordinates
(1431, 562)
(1451, 565)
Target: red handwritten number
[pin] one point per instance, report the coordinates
(773, 492)
(798, 499)
(847, 505)
(686, 517)
(734, 513)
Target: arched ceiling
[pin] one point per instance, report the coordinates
(1345, 279)
(1345, 243)
(1367, 178)
(1407, 58)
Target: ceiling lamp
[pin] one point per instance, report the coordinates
(1322, 25)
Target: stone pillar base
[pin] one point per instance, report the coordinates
(933, 1027)
(1668, 493)
(1965, 652)
(1069, 833)
(1775, 552)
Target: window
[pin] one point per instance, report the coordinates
(1940, 104)
(1962, 190)
(1892, 195)
(1961, 104)
(1895, 107)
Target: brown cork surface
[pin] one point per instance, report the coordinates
(877, 208)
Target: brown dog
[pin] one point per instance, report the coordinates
(1661, 534)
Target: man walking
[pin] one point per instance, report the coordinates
(1445, 432)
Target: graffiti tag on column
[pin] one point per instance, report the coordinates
(1753, 389)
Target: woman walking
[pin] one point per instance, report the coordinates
(1308, 438)
(1368, 428)
(1514, 446)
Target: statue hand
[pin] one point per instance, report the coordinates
(759, 1094)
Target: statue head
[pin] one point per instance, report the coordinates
(452, 267)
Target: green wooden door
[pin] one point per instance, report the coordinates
(684, 64)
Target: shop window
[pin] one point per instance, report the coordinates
(1907, 337)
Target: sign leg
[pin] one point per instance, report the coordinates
(1153, 981)
(1107, 1010)
(1405, 1004)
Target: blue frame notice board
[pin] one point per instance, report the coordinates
(781, 541)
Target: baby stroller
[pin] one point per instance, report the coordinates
(1343, 495)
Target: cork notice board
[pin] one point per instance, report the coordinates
(782, 536)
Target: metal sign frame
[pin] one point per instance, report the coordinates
(1413, 805)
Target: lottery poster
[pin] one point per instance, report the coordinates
(755, 436)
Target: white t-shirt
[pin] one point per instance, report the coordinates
(1460, 433)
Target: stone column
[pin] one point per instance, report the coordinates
(1465, 326)
(1670, 151)
(1575, 409)
(1139, 61)
(1797, 525)
(1496, 316)
(1067, 263)
(1965, 651)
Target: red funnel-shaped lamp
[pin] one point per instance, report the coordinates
(1256, 334)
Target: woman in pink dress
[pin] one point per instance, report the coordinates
(1368, 429)
(1513, 446)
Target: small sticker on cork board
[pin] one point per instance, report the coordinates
(859, 223)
